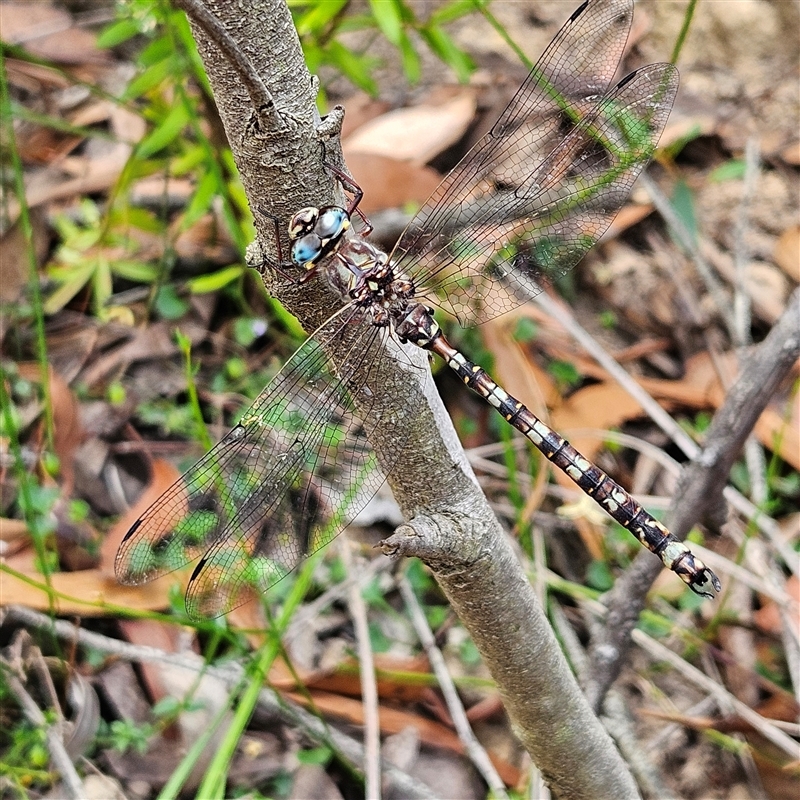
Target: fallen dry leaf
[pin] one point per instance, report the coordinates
(67, 429)
(346, 681)
(768, 618)
(417, 133)
(787, 252)
(791, 154)
(389, 183)
(89, 593)
(393, 721)
(49, 32)
(360, 109)
(12, 529)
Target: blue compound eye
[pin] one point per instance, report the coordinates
(306, 249)
(331, 223)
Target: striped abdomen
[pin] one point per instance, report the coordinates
(606, 491)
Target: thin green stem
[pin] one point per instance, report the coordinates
(26, 499)
(191, 387)
(684, 32)
(181, 774)
(10, 143)
(483, 8)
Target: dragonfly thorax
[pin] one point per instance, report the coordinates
(371, 281)
(316, 233)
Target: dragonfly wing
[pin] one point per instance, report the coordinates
(540, 224)
(284, 482)
(456, 232)
(577, 67)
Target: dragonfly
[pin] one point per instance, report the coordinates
(519, 210)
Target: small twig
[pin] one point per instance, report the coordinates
(561, 314)
(745, 754)
(616, 718)
(703, 708)
(758, 558)
(260, 97)
(741, 252)
(720, 693)
(477, 754)
(369, 688)
(697, 678)
(752, 577)
(742, 309)
(58, 753)
(713, 286)
(310, 611)
(231, 674)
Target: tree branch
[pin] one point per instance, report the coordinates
(451, 526)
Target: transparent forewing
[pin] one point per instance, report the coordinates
(281, 484)
(576, 69)
(503, 188)
(502, 246)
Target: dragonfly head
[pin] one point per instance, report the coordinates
(316, 233)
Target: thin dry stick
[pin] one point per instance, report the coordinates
(73, 784)
(763, 725)
(369, 687)
(477, 754)
(759, 560)
(741, 252)
(745, 754)
(687, 242)
(311, 610)
(230, 674)
(753, 452)
(720, 693)
(616, 718)
(757, 579)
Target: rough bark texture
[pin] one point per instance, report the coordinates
(451, 526)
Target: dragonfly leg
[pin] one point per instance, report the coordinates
(358, 193)
(282, 266)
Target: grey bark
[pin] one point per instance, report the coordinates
(451, 527)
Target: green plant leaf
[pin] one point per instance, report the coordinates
(352, 66)
(317, 18)
(411, 63)
(729, 171)
(682, 201)
(169, 304)
(118, 32)
(153, 76)
(388, 17)
(216, 280)
(165, 133)
(204, 194)
(451, 12)
(102, 283)
(447, 50)
(75, 279)
(137, 271)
